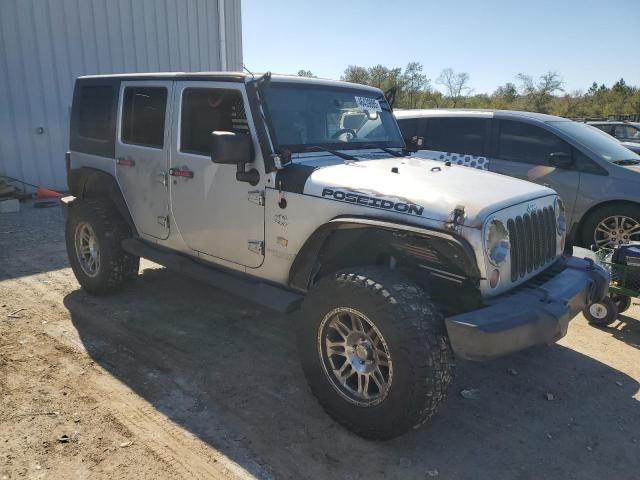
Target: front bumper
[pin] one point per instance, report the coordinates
(537, 312)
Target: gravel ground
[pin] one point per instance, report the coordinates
(173, 379)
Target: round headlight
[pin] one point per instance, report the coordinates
(561, 216)
(496, 241)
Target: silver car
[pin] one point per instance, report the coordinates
(596, 176)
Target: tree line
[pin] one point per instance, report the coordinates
(544, 93)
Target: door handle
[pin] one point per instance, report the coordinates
(125, 162)
(181, 172)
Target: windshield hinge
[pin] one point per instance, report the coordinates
(277, 161)
(256, 246)
(256, 196)
(164, 221)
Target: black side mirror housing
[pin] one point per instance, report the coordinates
(560, 160)
(228, 148)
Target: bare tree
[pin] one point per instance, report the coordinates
(538, 95)
(456, 84)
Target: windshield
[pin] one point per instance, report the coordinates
(600, 143)
(303, 116)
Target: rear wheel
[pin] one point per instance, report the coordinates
(602, 313)
(622, 303)
(375, 352)
(94, 233)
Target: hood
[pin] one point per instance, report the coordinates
(428, 188)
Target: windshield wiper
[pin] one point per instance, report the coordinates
(630, 161)
(384, 149)
(318, 148)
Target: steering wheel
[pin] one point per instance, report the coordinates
(342, 131)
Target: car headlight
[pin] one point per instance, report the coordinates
(496, 242)
(561, 216)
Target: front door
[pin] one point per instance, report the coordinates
(216, 215)
(522, 150)
(142, 153)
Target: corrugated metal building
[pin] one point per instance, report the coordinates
(46, 44)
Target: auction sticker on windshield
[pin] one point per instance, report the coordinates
(366, 104)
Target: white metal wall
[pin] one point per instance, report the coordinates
(46, 44)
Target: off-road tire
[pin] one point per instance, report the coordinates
(414, 331)
(607, 312)
(117, 267)
(590, 224)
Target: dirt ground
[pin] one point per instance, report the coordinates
(172, 379)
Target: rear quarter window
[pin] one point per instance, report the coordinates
(93, 116)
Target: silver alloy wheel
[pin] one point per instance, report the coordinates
(616, 230)
(598, 311)
(355, 357)
(87, 249)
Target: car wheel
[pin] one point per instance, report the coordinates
(94, 232)
(612, 225)
(602, 313)
(375, 352)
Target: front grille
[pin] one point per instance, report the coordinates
(533, 241)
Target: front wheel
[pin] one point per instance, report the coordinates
(611, 225)
(602, 313)
(375, 352)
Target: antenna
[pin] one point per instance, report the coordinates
(244, 67)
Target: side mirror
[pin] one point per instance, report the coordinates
(414, 143)
(228, 148)
(560, 160)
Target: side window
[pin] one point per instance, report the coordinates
(143, 114)
(205, 110)
(526, 143)
(467, 136)
(627, 132)
(605, 128)
(95, 110)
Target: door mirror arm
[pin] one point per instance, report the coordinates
(228, 148)
(252, 176)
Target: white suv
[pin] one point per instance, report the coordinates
(296, 194)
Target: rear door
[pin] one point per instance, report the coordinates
(523, 150)
(142, 153)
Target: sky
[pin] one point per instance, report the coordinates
(492, 40)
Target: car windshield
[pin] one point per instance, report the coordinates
(600, 143)
(304, 117)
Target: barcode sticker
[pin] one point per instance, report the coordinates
(366, 104)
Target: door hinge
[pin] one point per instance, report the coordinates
(164, 221)
(256, 196)
(256, 247)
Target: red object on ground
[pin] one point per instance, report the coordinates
(42, 192)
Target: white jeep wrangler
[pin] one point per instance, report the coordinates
(296, 194)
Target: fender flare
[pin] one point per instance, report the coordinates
(87, 182)
(447, 245)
